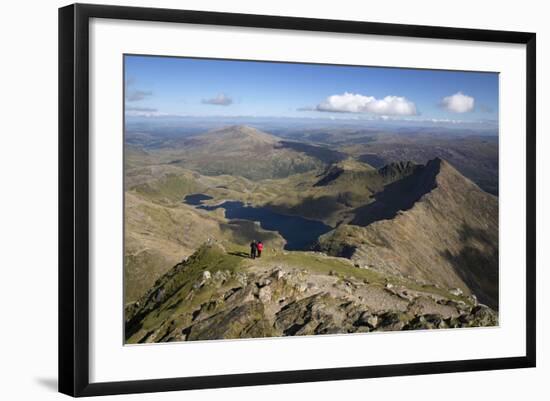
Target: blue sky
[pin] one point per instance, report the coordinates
(170, 86)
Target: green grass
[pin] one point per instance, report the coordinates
(172, 188)
(179, 282)
(341, 268)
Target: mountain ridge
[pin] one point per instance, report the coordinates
(448, 234)
(217, 294)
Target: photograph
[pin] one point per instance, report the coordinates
(272, 199)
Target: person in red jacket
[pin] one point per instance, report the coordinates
(260, 247)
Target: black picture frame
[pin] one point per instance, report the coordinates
(74, 200)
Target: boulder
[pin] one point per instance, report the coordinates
(457, 292)
(265, 294)
(391, 321)
(483, 316)
(367, 319)
(278, 273)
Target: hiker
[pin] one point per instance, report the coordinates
(260, 247)
(253, 249)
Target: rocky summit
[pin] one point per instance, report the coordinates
(220, 294)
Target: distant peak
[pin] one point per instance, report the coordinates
(348, 167)
(398, 169)
(435, 163)
(242, 127)
(399, 165)
(236, 128)
(440, 165)
(350, 164)
(445, 173)
(235, 132)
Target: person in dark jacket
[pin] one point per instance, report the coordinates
(253, 249)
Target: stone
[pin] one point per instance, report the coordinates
(453, 322)
(264, 282)
(278, 273)
(391, 321)
(242, 278)
(457, 292)
(362, 329)
(159, 296)
(311, 286)
(418, 323)
(265, 294)
(367, 319)
(483, 316)
(302, 287)
(465, 318)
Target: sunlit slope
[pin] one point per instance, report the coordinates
(434, 225)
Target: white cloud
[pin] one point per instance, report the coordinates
(142, 109)
(458, 103)
(143, 112)
(356, 103)
(220, 100)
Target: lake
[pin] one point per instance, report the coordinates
(196, 199)
(300, 233)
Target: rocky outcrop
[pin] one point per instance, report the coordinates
(398, 170)
(213, 296)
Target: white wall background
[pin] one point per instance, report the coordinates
(28, 199)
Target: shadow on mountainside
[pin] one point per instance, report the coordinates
(399, 195)
(240, 254)
(321, 153)
(477, 264)
(315, 208)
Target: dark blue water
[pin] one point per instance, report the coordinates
(299, 233)
(196, 199)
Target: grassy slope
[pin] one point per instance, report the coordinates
(239, 151)
(160, 229)
(177, 284)
(157, 237)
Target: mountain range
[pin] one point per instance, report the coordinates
(408, 245)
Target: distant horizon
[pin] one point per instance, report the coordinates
(267, 123)
(161, 88)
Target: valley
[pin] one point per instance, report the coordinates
(363, 232)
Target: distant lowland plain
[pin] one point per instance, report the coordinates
(373, 191)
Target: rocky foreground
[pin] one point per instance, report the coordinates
(220, 294)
